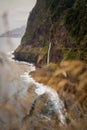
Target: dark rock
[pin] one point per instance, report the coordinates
(55, 22)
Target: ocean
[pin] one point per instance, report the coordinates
(8, 44)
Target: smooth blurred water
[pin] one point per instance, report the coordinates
(18, 89)
(8, 44)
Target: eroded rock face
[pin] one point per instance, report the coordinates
(57, 22)
(43, 115)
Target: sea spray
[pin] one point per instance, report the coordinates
(41, 89)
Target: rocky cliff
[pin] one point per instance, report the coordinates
(61, 22)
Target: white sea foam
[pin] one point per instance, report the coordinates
(22, 85)
(41, 89)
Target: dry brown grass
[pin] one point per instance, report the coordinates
(70, 81)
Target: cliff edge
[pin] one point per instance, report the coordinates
(59, 22)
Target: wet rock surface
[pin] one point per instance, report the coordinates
(69, 80)
(27, 105)
(24, 103)
(43, 115)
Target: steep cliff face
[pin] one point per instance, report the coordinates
(61, 22)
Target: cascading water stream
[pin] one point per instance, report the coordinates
(48, 55)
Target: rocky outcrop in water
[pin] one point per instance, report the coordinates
(63, 23)
(43, 115)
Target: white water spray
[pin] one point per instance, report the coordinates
(41, 89)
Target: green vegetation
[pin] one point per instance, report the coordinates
(58, 8)
(74, 13)
(76, 19)
(74, 54)
(75, 16)
(62, 22)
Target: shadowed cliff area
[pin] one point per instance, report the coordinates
(61, 22)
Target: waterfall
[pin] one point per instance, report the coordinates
(48, 55)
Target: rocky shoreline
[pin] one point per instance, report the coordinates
(69, 81)
(55, 41)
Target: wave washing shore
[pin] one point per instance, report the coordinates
(20, 94)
